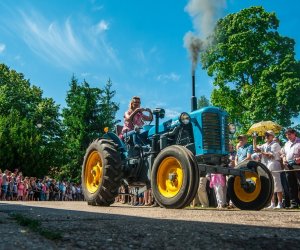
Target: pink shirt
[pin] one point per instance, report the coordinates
(137, 121)
(21, 186)
(217, 180)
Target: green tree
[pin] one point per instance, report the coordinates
(203, 102)
(30, 131)
(255, 71)
(88, 111)
(108, 107)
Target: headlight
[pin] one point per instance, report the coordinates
(184, 118)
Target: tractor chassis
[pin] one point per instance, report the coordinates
(217, 169)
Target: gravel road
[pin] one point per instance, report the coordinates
(125, 227)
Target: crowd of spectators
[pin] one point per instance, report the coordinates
(14, 186)
(136, 198)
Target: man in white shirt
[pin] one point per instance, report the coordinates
(291, 161)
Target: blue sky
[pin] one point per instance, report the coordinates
(138, 44)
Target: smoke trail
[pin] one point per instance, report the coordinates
(194, 45)
(204, 14)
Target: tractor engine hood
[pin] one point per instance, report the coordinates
(210, 130)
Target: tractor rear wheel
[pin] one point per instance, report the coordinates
(174, 177)
(101, 173)
(259, 189)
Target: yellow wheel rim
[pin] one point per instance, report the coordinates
(169, 177)
(93, 172)
(244, 195)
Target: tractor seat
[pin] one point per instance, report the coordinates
(119, 129)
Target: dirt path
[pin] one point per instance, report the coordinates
(126, 227)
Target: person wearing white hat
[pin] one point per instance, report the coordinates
(270, 152)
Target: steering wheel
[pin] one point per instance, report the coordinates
(146, 122)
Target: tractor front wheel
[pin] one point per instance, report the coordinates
(174, 177)
(258, 191)
(101, 173)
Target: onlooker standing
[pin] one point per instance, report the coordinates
(244, 150)
(270, 152)
(10, 187)
(4, 184)
(232, 155)
(43, 187)
(15, 187)
(62, 189)
(26, 188)
(218, 182)
(147, 197)
(202, 193)
(21, 188)
(291, 158)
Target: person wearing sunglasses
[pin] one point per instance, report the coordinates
(270, 153)
(134, 116)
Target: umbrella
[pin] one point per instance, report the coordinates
(262, 127)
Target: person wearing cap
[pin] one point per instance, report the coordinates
(270, 152)
(291, 161)
(244, 150)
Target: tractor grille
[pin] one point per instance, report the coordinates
(211, 131)
(226, 134)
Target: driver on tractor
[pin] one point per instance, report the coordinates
(134, 119)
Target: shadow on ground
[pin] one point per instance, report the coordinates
(107, 231)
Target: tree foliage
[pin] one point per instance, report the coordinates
(30, 130)
(255, 71)
(88, 111)
(203, 102)
(108, 107)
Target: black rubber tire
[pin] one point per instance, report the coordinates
(266, 191)
(112, 173)
(196, 179)
(190, 180)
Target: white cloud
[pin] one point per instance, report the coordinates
(171, 113)
(52, 41)
(63, 45)
(2, 47)
(102, 26)
(168, 77)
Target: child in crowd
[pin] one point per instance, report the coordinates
(21, 188)
(218, 182)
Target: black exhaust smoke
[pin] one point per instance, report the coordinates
(194, 44)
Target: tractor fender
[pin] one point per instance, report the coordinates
(115, 139)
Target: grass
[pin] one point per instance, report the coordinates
(35, 226)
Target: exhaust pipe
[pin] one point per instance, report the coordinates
(194, 98)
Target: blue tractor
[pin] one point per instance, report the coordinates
(170, 158)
